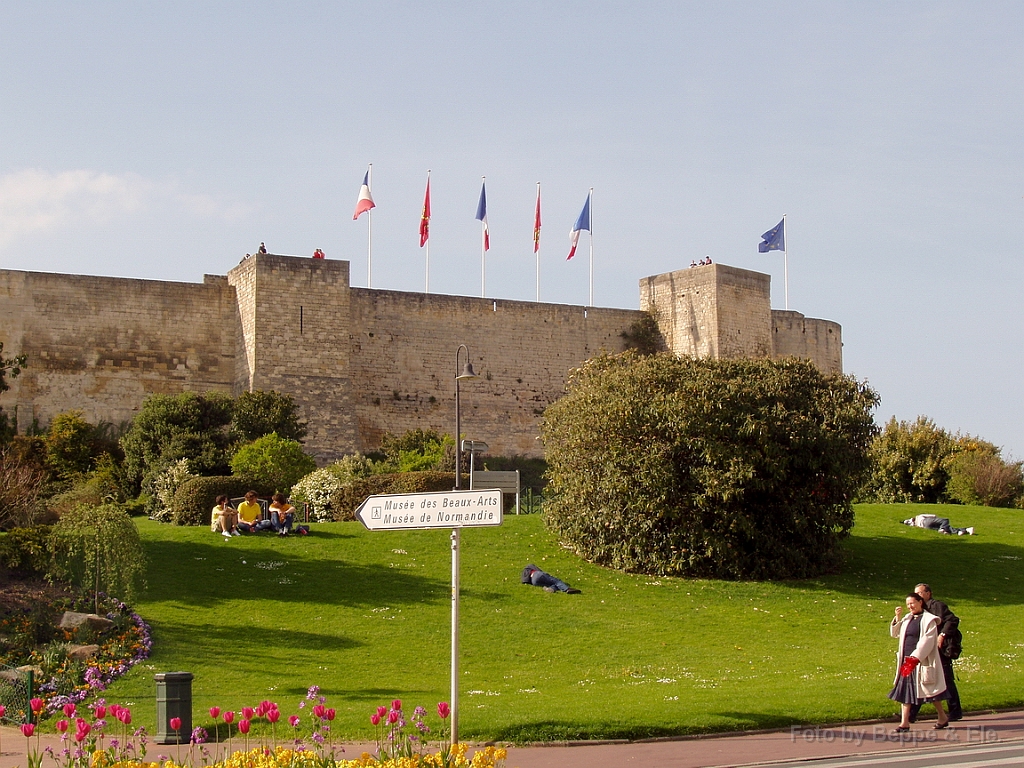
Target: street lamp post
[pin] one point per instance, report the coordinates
(466, 373)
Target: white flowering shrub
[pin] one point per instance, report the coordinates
(316, 489)
(164, 486)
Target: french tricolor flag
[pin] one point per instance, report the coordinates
(481, 215)
(365, 201)
(583, 222)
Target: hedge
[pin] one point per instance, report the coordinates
(345, 501)
(196, 497)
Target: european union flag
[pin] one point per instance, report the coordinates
(774, 239)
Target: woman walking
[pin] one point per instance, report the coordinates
(919, 676)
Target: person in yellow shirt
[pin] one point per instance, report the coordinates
(250, 514)
(224, 519)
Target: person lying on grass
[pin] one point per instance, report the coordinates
(534, 575)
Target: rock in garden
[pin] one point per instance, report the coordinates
(73, 620)
(82, 652)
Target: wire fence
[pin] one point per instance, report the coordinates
(15, 694)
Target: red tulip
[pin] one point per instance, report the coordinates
(68, 709)
(375, 718)
(381, 711)
(273, 715)
(214, 712)
(248, 712)
(62, 726)
(3, 710)
(330, 714)
(82, 730)
(243, 726)
(175, 723)
(100, 712)
(229, 717)
(319, 711)
(27, 729)
(397, 705)
(443, 710)
(293, 721)
(393, 716)
(37, 705)
(125, 716)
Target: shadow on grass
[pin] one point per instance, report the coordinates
(972, 571)
(555, 731)
(217, 637)
(206, 575)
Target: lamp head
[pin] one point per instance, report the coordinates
(467, 372)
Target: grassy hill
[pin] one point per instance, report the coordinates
(366, 616)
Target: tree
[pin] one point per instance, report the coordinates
(69, 445)
(98, 549)
(259, 413)
(273, 461)
(979, 475)
(173, 427)
(910, 463)
(714, 468)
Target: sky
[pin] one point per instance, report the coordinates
(165, 140)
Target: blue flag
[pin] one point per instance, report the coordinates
(774, 239)
(583, 222)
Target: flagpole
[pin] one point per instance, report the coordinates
(785, 257)
(483, 249)
(591, 246)
(537, 241)
(369, 234)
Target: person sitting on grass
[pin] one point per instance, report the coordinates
(224, 518)
(282, 514)
(250, 514)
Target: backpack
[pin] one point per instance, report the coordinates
(953, 646)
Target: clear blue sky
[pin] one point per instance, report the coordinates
(165, 140)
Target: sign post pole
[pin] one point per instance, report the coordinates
(454, 700)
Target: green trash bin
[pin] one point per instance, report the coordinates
(173, 699)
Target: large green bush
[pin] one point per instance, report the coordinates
(261, 412)
(909, 463)
(25, 551)
(349, 497)
(983, 477)
(726, 469)
(273, 461)
(194, 499)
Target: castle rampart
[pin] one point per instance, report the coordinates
(359, 361)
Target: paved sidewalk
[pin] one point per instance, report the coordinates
(731, 749)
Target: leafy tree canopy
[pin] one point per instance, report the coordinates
(273, 461)
(714, 468)
(259, 413)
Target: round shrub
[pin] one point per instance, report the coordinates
(738, 469)
(273, 461)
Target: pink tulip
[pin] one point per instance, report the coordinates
(443, 710)
(83, 730)
(80, 736)
(381, 711)
(125, 716)
(330, 714)
(273, 715)
(3, 710)
(397, 705)
(293, 721)
(37, 705)
(68, 709)
(214, 712)
(319, 711)
(248, 712)
(229, 717)
(62, 726)
(393, 716)
(27, 729)
(243, 726)
(175, 723)
(100, 712)
(375, 718)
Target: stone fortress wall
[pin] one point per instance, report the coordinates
(359, 361)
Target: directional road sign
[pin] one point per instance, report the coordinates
(446, 509)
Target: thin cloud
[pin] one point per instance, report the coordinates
(35, 202)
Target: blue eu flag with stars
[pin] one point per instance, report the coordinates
(774, 239)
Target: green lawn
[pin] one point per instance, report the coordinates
(366, 616)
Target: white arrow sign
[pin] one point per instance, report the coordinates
(445, 509)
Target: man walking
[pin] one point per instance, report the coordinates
(949, 638)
